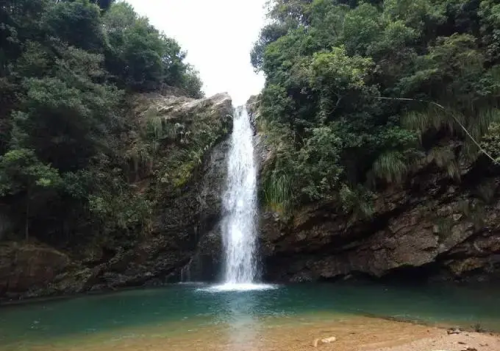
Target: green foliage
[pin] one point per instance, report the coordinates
(76, 23)
(390, 81)
(489, 13)
(358, 202)
(69, 91)
(391, 167)
(323, 150)
(491, 139)
(337, 76)
(278, 194)
(143, 59)
(445, 159)
(70, 150)
(21, 171)
(103, 4)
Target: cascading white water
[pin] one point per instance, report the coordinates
(239, 230)
(240, 204)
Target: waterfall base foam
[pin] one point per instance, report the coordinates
(239, 287)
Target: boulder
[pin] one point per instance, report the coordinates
(27, 266)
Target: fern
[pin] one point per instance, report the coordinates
(436, 118)
(445, 159)
(358, 202)
(278, 193)
(158, 127)
(433, 118)
(391, 166)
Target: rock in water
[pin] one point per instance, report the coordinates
(454, 331)
(319, 341)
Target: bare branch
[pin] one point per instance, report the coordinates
(456, 120)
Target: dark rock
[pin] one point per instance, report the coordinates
(28, 266)
(431, 227)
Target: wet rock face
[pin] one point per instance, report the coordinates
(440, 231)
(431, 227)
(186, 235)
(203, 242)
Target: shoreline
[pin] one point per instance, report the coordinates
(351, 333)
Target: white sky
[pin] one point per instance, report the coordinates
(218, 36)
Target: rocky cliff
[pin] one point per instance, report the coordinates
(186, 183)
(431, 227)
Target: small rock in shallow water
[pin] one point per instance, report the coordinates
(454, 331)
(318, 341)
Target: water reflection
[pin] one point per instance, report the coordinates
(243, 327)
(218, 320)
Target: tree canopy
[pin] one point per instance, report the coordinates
(358, 92)
(66, 70)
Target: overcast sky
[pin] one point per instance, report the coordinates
(218, 36)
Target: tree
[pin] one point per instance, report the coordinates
(77, 23)
(66, 116)
(104, 4)
(21, 172)
(139, 56)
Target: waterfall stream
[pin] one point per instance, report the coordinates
(239, 222)
(240, 204)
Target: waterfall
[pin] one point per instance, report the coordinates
(239, 229)
(240, 205)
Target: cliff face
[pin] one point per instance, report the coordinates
(186, 184)
(442, 233)
(431, 227)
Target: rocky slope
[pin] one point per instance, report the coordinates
(441, 233)
(432, 227)
(187, 213)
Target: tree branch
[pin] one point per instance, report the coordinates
(456, 120)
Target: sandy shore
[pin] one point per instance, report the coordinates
(463, 342)
(351, 333)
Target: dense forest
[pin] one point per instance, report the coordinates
(68, 144)
(361, 95)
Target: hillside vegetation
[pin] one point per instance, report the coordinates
(71, 147)
(360, 95)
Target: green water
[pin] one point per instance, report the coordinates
(182, 308)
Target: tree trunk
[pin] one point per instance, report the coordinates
(26, 225)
